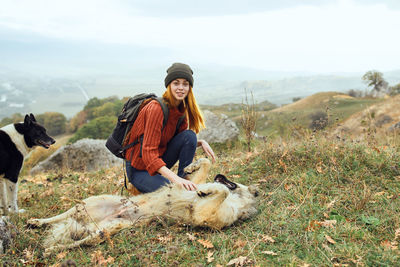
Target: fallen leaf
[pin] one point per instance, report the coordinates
(97, 256)
(205, 243)
(108, 237)
(288, 187)
(240, 261)
(319, 169)
(191, 237)
(328, 223)
(330, 205)
(330, 240)
(313, 225)
(379, 194)
(325, 246)
(165, 239)
(387, 245)
(267, 238)
(61, 255)
(28, 255)
(240, 244)
(397, 234)
(210, 256)
(269, 252)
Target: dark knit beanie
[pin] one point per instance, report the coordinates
(179, 70)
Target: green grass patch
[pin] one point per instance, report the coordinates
(323, 203)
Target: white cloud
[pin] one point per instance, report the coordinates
(343, 36)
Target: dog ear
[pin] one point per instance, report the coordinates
(219, 178)
(32, 117)
(27, 121)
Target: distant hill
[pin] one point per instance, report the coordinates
(24, 92)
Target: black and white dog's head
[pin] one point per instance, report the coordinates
(34, 133)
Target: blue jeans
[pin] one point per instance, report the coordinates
(182, 147)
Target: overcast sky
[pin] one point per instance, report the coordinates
(315, 36)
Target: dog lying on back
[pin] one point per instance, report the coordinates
(214, 205)
(16, 141)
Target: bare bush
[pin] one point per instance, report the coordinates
(248, 119)
(319, 120)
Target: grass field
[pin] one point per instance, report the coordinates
(323, 203)
(289, 120)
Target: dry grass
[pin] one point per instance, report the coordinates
(324, 203)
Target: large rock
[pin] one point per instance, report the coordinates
(84, 155)
(219, 129)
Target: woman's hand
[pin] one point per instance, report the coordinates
(188, 185)
(207, 149)
(173, 178)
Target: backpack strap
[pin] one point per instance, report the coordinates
(178, 125)
(164, 108)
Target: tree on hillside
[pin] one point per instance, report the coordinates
(16, 117)
(77, 121)
(394, 90)
(54, 122)
(99, 128)
(375, 80)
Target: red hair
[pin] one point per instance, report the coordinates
(193, 113)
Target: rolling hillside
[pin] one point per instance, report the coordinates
(379, 117)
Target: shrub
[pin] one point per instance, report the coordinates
(99, 128)
(54, 122)
(16, 117)
(319, 120)
(394, 90)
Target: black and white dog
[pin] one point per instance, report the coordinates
(16, 141)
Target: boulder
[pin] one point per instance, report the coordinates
(219, 129)
(84, 155)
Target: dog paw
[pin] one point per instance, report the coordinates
(191, 168)
(197, 165)
(34, 223)
(211, 189)
(203, 194)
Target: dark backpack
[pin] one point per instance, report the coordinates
(115, 142)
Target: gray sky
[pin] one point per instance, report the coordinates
(288, 35)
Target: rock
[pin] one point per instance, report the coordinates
(394, 127)
(5, 234)
(383, 119)
(84, 155)
(219, 129)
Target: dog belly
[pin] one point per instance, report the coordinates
(102, 207)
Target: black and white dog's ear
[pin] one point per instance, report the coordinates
(27, 121)
(32, 117)
(219, 178)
